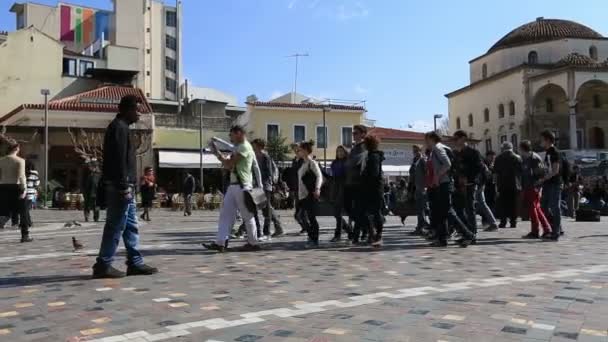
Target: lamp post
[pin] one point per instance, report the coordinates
(46, 93)
(325, 142)
(200, 135)
(435, 117)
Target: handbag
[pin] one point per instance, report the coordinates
(254, 197)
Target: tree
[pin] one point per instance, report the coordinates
(89, 145)
(443, 127)
(277, 148)
(5, 139)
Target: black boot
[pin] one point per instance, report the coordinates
(106, 272)
(25, 235)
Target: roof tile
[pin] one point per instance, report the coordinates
(391, 133)
(305, 105)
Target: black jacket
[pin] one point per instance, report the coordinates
(373, 186)
(469, 164)
(119, 167)
(508, 169)
(189, 185)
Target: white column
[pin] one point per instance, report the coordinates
(572, 126)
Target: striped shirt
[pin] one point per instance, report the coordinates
(33, 181)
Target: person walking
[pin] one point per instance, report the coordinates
(373, 189)
(147, 189)
(338, 174)
(551, 184)
(575, 181)
(90, 186)
(469, 167)
(292, 179)
(440, 187)
(487, 215)
(188, 191)
(532, 172)
(270, 174)
(417, 188)
(508, 168)
(309, 191)
(33, 182)
(490, 186)
(119, 177)
(13, 185)
(238, 195)
(354, 197)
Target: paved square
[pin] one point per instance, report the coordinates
(503, 289)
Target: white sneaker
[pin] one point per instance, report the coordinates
(265, 238)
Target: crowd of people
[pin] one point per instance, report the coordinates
(447, 188)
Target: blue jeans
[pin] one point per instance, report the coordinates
(550, 202)
(482, 206)
(421, 205)
(121, 220)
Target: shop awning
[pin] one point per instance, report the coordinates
(186, 160)
(396, 170)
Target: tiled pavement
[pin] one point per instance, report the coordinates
(503, 289)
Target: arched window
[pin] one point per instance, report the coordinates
(593, 52)
(514, 141)
(484, 70)
(501, 110)
(597, 101)
(458, 123)
(549, 105)
(486, 115)
(470, 120)
(533, 58)
(511, 108)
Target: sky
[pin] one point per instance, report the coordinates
(400, 56)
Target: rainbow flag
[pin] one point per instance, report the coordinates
(83, 26)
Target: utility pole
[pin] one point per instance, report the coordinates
(295, 81)
(46, 94)
(200, 134)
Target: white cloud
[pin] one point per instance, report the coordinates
(360, 90)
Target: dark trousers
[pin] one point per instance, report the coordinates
(309, 207)
(507, 202)
(271, 216)
(12, 204)
(490, 196)
(341, 223)
(443, 214)
(464, 204)
(355, 199)
(299, 215)
(376, 225)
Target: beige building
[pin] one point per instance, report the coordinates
(137, 36)
(547, 74)
(299, 118)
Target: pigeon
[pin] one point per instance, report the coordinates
(77, 244)
(77, 224)
(68, 225)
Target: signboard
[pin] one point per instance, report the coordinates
(397, 156)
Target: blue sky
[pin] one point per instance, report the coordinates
(401, 56)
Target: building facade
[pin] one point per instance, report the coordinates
(139, 36)
(303, 121)
(547, 74)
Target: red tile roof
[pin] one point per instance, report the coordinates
(104, 99)
(390, 133)
(305, 105)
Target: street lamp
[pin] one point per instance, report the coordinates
(435, 117)
(200, 134)
(46, 93)
(325, 142)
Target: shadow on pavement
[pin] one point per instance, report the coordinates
(40, 280)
